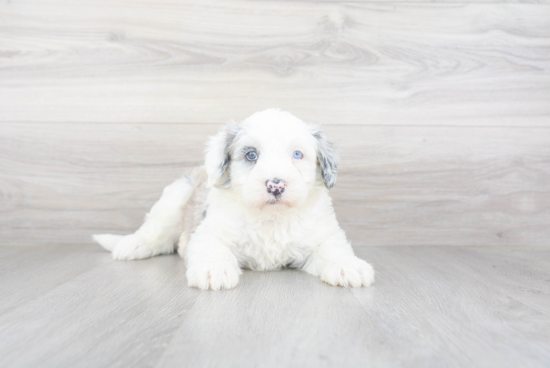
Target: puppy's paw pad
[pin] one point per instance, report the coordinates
(352, 272)
(131, 247)
(213, 276)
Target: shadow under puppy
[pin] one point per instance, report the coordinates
(261, 201)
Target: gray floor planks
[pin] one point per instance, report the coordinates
(538, 255)
(59, 263)
(475, 317)
(430, 307)
(294, 322)
(120, 314)
(518, 279)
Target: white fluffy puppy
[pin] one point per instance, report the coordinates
(261, 202)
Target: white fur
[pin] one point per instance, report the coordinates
(244, 226)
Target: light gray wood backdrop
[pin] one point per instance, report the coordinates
(440, 111)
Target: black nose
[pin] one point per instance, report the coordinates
(275, 186)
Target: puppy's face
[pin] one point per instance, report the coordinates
(271, 159)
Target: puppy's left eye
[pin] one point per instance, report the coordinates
(251, 156)
(297, 155)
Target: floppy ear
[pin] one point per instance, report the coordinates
(328, 160)
(218, 156)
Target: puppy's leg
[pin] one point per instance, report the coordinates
(161, 229)
(335, 263)
(210, 263)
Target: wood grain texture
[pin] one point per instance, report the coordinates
(59, 262)
(271, 320)
(396, 185)
(444, 310)
(339, 63)
(519, 279)
(430, 307)
(119, 315)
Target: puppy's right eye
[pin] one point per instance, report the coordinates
(251, 156)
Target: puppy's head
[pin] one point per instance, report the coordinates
(271, 158)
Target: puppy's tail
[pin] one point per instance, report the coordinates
(165, 221)
(108, 241)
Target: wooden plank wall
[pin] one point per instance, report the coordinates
(440, 110)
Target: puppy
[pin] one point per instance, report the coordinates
(261, 201)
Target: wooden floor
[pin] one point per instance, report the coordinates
(72, 306)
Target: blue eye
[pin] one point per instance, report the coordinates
(297, 155)
(251, 156)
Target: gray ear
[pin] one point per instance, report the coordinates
(327, 158)
(218, 156)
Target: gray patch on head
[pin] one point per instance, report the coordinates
(328, 160)
(225, 177)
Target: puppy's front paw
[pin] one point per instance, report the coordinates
(132, 247)
(349, 272)
(213, 275)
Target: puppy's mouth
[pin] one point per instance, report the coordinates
(275, 199)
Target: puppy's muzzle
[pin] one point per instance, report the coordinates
(275, 186)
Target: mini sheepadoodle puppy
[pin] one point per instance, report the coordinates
(261, 201)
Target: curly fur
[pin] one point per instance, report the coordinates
(221, 218)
